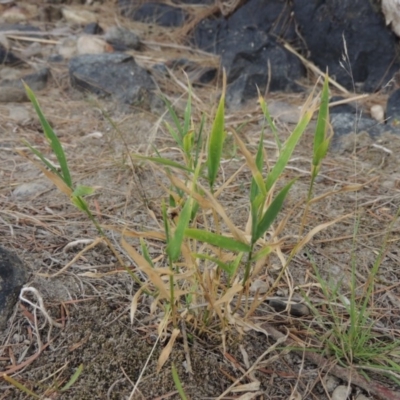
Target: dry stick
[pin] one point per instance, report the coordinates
(352, 376)
(314, 68)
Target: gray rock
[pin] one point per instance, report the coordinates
(12, 90)
(153, 12)
(122, 38)
(114, 74)
(341, 393)
(343, 124)
(13, 275)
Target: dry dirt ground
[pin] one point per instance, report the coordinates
(90, 295)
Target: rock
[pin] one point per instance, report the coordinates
(93, 29)
(344, 124)
(12, 90)
(122, 38)
(246, 66)
(340, 393)
(371, 47)
(115, 74)
(391, 11)
(36, 81)
(393, 109)
(18, 114)
(363, 397)
(249, 50)
(13, 275)
(346, 108)
(331, 382)
(28, 30)
(156, 13)
(8, 58)
(27, 191)
(14, 14)
(377, 113)
(67, 47)
(78, 16)
(91, 44)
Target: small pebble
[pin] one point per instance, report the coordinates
(341, 393)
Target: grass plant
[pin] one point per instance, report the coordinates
(210, 261)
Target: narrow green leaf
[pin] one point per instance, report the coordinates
(51, 137)
(229, 268)
(270, 121)
(188, 113)
(80, 203)
(174, 246)
(322, 123)
(145, 252)
(272, 212)
(216, 141)
(262, 253)
(174, 116)
(166, 223)
(82, 190)
(178, 383)
(254, 188)
(188, 142)
(175, 135)
(49, 165)
(214, 239)
(287, 150)
(20, 386)
(73, 379)
(163, 161)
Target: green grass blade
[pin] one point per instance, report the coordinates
(51, 137)
(145, 252)
(20, 386)
(217, 240)
(188, 113)
(175, 135)
(174, 116)
(49, 165)
(229, 268)
(287, 150)
(320, 146)
(216, 141)
(73, 379)
(178, 383)
(174, 246)
(267, 116)
(82, 190)
(163, 161)
(272, 212)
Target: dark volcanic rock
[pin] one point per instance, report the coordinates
(156, 13)
(8, 58)
(370, 45)
(93, 29)
(249, 51)
(393, 109)
(114, 74)
(13, 275)
(341, 108)
(343, 124)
